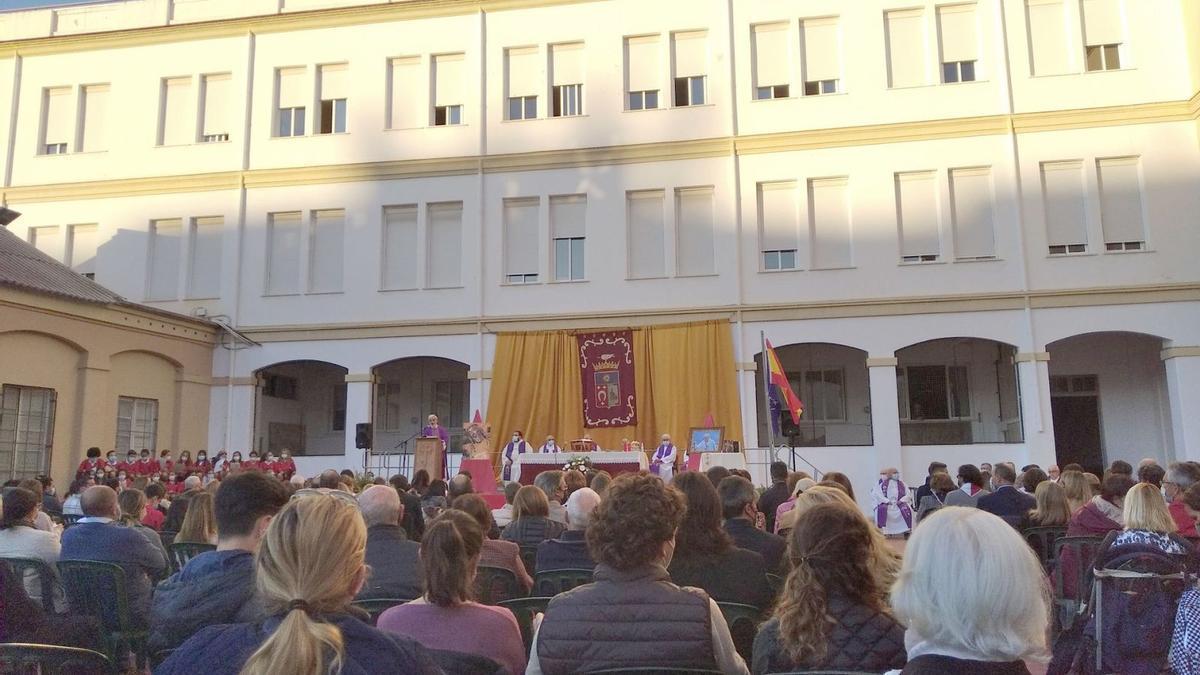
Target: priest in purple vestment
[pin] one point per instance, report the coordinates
(434, 430)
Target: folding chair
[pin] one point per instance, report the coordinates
(743, 623)
(377, 606)
(19, 657)
(43, 574)
(493, 585)
(552, 582)
(524, 609)
(180, 553)
(98, 589)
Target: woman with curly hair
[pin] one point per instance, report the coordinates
(831, 613)
(883, 562)
(632, 616)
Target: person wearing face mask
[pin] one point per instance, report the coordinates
(517, 446)
(145, 465)
(221, 464)
(286, 466)
(893, 514)
(165, 463)
(111, 461)
(91, 463)
(435, 430)
(235, 462)
(663, 463)
(549, 445)
(184, 465)
(129, 466)
(202, 465)
(252, 463)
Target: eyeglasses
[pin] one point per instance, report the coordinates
(318, 492)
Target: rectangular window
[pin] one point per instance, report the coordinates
(445, 244)
(772, 60)
(972, 205)
(337, 408)
(137, 424)
(26, 430)
(326, 244)
(1048, 40)
(1121, 204)
(1103, 57)
(400, 248)
(204, 261)
(521, 240)
(823, 393)
(448, 89)
(959, 41)
(175, 127)
(1103, 34)
(47, 240)
(934, 392)
(643, 71)
(906, 48)
(216, 90)
(917, 215)
(647, 245)
(334, 88)
(822, 56)
(829, 216)
(566, 77)
(694, 252)
(58, 120)
(568, 227)
(166, 244)
(1066, 223)
(280, 386)
(779, 225)
(405, 84)
(82, 245)
(283, 253)
(291, 90)
(524, 82)
(690, 56)
(93, 106)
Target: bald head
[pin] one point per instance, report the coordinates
(329, 479)
(380, 505)
(99, 501)
(580, 505)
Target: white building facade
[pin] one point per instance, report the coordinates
(969, 228)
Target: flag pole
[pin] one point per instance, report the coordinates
(766, 377)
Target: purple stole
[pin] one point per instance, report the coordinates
(659, 454)
(508, 454)
(881, 511)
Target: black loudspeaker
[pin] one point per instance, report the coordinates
(362, 435)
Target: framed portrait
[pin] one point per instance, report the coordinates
(731, 446)
(706, 439)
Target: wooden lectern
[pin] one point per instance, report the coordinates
(428, 456)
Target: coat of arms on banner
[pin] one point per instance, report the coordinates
(606, 371)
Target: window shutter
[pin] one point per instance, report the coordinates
(779, 216)
(283, 253)
(1102, 22)
(1048, 36)
(906, 47)
(822, 51)
(291, 88)
(691, 53)
(400, 247)
(1120, 199)
(521, 236)
(405, 113)
(772, 58)
(646, 236)
(694, 232)
(85, 244)
(445, 245)
(334, 81)
(643, 63)
(165, 239)
(957, 26)
(60, 116)
(567, 63)
(1062, 184)
(95, 118)
(919, 232)
(177, 112)
(972, 206)
(829, 212)
(326, 258)
(524, 72)
(217, 104)
(204, 276)
(568, 216)
(448, 79)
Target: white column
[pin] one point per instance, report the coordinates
(1183, 390)
(1037, 422)
(359, 389)
(885, 413)
(241, 393)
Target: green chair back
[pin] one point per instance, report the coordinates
(494, 585)
(1041, 539)
(524, 609)
(775, 583)
(181, 552)
(42, 573)
(552, 582)
(17, 657)
(529, 557)
(99, 589)
(377, 606)
(743, 623)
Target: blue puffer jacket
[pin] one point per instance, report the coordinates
(213, 588)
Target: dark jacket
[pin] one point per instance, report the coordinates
(23, 620)
(1009, 503)
(770, 546)
(770, 500)
(215, 587)
(626, 619)
(734, 576)
(933, 664)
(862, 639)
(223, 650)
(569, 551)
(923, 491)
(413, 521)
(395, 565)
(51, 505)
(532, 530)
(109, 542)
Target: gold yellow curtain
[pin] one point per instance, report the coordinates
(682, 373)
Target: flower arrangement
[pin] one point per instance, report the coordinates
(582, 463)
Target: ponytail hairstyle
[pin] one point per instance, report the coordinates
(830, 551)
(449, 553)
(311, 563)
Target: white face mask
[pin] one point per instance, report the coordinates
(516, 439)
(550, 443)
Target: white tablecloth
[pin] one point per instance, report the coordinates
(729, 460)
(558, 459)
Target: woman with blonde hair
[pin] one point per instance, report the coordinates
(884, 563)
(200, 522)
(982, 609)
(1052, 508)
(1079, 491)
(1148, 523)
(310, 567)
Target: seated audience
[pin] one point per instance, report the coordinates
(940, 485)
(778, 493)
(705, 556)
(394, 560)
(1079, 492)
(434, 501)
(133, 509)
(1151, 473)
(551, 484)
(217, 587)
(192, 486)
(842, 480)
(154, 517)
(50, 503)
(831, 615)
(572, 481)
(71, 501)
(531, 524)
(413, 520)
(1148, 523)
(420, 482)
(503, 515)
(570, 551)
(1007, 502)
(97, 537)
(446, 617)
(1031, 478)
(1094, 483)
(972, 486)
(20, 539)
(1180, 477)
(600, 482)
(309, 568)
(964, 612)
(1101, 515)
(631, 536)
(1050, 507)
(782, 521)
(199, 524)
(495, 552)
(716, 474)
(884, 563)
(42, 520)
(329, 479)
(460, 485)
(23, 619)
(740, 513)
(1120, 466)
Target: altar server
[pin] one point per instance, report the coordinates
(663, 463)
(893, 514)
(517, 446)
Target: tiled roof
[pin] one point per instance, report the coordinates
(23, 266)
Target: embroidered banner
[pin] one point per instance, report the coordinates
(606, 371)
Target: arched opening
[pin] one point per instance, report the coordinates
(410, 389)
(301, 406)
(834, 385)
(958, 391)
(1108, 396)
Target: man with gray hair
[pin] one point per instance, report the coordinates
(738, 507)
(570, 550)
(1180, 477)
(394, 560)
(551, 483)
